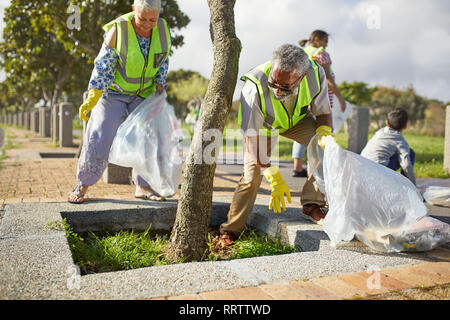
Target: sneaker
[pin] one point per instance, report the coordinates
(313, 212)
(302, 173)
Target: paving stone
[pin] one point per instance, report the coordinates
(415, 278)
(312, 291)
(282, 291)
(338, 287)
(250, 293)
(13, 200)
(29, 200)
(185, 297)
(373, 283)
(438, 272)
(218, 295)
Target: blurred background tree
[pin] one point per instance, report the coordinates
(357, 93)
(385, 99)
(184, 86)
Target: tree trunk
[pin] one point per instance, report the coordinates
(189, 234)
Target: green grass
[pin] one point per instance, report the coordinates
(8, 143)
(429, 156)
(127, 250)
(114, 251)
(248, 245)
(77, 124)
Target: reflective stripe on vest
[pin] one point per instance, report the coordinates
(309, 87)
(160, 45)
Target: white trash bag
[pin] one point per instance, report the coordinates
(149, 141)
(373, 203)
(436, 192)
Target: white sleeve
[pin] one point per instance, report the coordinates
(252, 122)
(405, 161)
(252, 116)
(320, 104)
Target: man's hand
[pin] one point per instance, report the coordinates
(91, 101)
(322, 132)
(279, 189)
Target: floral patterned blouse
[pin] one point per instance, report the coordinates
(105, 67)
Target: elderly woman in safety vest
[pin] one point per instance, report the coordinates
(275, 97)
(132, 65)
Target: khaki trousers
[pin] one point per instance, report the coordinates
(245, 194)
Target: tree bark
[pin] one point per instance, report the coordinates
(189, 234)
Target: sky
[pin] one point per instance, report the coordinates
(394, 43)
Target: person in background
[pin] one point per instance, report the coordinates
(389, 148)
(318, 41)
(131, 66)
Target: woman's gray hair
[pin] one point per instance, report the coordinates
(290, 58)
(154, 5)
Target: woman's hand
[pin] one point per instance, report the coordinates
(159, 88)
(342, 103)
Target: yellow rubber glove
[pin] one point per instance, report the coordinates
(92, 99)
(323, 131)
(279, 189)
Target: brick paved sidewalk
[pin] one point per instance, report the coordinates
(50, 180)
(427, 281)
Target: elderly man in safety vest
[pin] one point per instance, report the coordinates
(131, 66)
(276, 97)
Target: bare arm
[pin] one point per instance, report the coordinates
(333, 87)
(257, 153)
(324, 120)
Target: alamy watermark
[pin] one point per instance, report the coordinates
(373, 21)
(374, 281)
(74, 19)
(228, 147)
(74, 277)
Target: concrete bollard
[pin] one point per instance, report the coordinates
(447, 140)
(117, 174)
(55, 124)
(35, 120)
(358, 129)
(20, 118)
(27, 120)
(65, 124)
(44, 122)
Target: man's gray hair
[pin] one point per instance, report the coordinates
(154, 5)
(290, 58)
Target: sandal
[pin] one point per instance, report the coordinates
(76, 196)
(148, 195)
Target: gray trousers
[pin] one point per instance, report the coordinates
(105, 119)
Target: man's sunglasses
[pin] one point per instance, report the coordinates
(274, 86)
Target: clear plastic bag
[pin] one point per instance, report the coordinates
(149, 141)
(373, 203)
(338, 116)
(436, 192)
